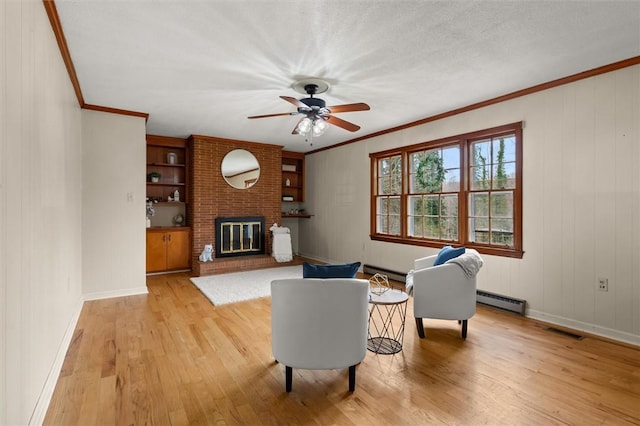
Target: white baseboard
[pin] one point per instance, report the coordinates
(307, 256)
(40, 410)
(116, 293)
(321, 259)
(598, 330)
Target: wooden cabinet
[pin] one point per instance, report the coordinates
(166, 157)
(168, 249)
(292, 176)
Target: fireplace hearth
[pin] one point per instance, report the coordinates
(239, 236)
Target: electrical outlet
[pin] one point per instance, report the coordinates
(603, 284)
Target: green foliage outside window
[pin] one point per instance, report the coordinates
(491, 212)
(388, 219)
(430, 172)
(427, 211)
(390, 175)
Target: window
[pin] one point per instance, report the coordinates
(492, 174)
(434, 184)
(389, 190)
(464, 190)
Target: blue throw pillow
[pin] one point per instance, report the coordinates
(447, 253)
(347, 270)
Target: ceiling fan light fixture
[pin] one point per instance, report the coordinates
(319, 127)
(304, 127)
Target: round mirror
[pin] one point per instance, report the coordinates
(240, 169)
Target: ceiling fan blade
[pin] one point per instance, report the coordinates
(274, 115)
(342, 123)
(295, 102)
(349, 107)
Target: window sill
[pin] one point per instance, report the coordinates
(492, 251)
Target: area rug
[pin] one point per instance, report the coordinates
(239, 286)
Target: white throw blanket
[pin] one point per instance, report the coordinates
(470, 262)
(408, 282)
(281, 250)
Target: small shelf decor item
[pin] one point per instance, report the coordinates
(178, 220)
(151, 211)
(172, 158)
(154, 177)
(379, 284)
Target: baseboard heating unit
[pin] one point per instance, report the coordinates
(506, 303)
(392, 275)
(503, 302)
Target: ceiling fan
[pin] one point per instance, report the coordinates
(316, 113)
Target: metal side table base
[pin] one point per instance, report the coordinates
(385, 337)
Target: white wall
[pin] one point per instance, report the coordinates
(581, 203)
(113, 205)
(40, 207)
(68, 229)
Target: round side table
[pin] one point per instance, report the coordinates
(386, 335)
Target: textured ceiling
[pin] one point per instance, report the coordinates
(202, 67)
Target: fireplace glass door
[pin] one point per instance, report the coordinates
(240, 238)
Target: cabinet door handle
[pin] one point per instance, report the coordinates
(164, 237)
(169, 237)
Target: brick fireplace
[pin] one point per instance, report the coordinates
(211, 198)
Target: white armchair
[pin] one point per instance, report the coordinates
(319, 324)
(446, 291)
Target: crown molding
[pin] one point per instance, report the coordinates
(533, 89)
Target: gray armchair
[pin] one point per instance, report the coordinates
(319, 324)
(446, 291)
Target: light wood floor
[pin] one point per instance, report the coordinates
(170, 357)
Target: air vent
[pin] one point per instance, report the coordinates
(565, 333)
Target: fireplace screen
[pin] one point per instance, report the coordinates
(239, 236)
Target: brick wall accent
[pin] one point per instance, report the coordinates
(211, 197)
